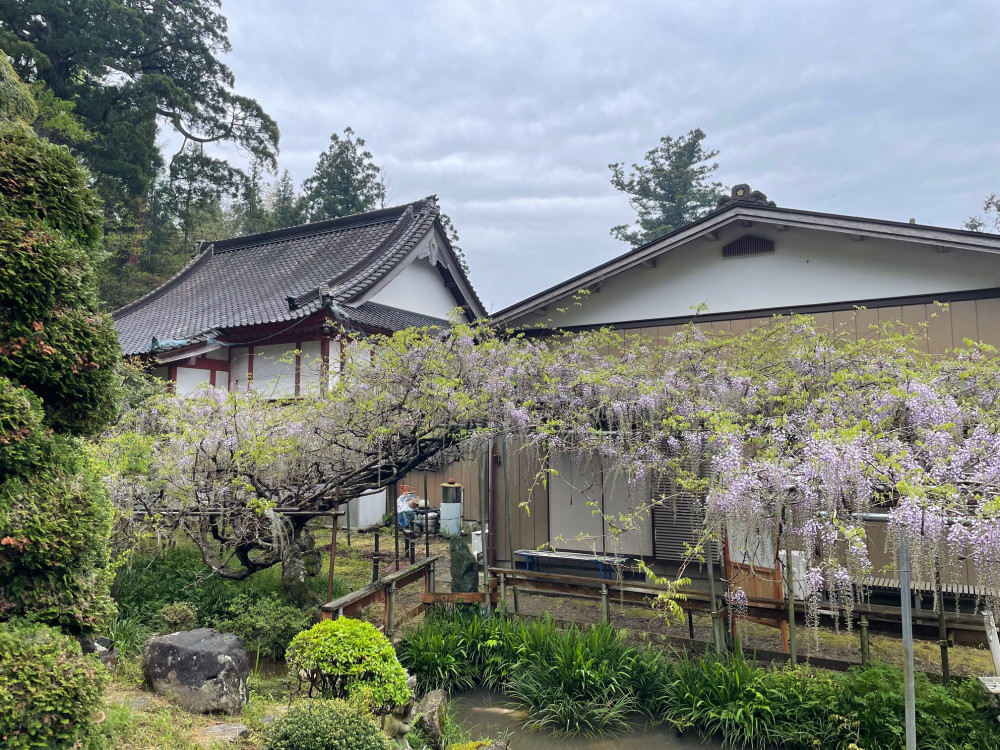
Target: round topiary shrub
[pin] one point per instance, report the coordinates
(325, 725)
(348, 658)
(49, 691)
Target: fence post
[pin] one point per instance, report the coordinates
(865, 654)
(390, 610)
(503, 589)
(430, 578)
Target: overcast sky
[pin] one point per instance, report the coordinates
(511, 111)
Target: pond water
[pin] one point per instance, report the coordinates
(485, 714)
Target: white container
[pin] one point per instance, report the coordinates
(451, 519)
(477, 544)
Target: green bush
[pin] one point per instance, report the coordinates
(49, 691)
(325, 725)
(267, 626)
(347, 658)
(177, 616)
(951, 716)
(151, 581)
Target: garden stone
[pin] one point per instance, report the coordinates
(224, 733)
(104, 641)
(202, 671)
(431, 713)
(464, 571)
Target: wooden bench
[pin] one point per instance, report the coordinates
(604, 563)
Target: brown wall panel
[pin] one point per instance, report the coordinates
(988, 321)
(864, 321)
(844, 320)
(938, 329)
(963, 322)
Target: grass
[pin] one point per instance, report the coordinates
(161, 725)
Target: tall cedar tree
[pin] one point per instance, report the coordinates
(58, 357)
(345, 182)
(110, 75)
(670, 190)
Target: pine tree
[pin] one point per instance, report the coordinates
(345, 182)
(670, 190)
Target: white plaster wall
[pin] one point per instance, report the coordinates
(274, 370)
(189, 379)
(418, 288)
(239, 361)
(311, 368)
(808, 267)
(572, 497)
(220, 354)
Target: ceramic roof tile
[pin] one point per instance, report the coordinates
(248, 280)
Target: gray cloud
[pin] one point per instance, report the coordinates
(511, 111)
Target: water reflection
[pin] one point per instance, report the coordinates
(485, 714)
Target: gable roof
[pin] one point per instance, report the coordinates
(292, 273)
(754, 207)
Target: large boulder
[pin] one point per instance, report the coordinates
(431, 713)
(202, 671)
(464, 570)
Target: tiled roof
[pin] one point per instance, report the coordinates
(281, 276)
(374, 315)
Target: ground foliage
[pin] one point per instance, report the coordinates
(590, 680)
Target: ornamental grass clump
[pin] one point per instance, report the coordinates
(325, 725)
(349, 659)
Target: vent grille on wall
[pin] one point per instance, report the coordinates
(749, 244)
(676, 521)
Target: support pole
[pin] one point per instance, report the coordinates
(484, 472)
(907, 614)
(865, 652)
(690, 614)
(718, 638)
(395, 527)
(605, 608)
(789, 594)
(390, 611)
(376, 557)
(942, 628)
(333, 546)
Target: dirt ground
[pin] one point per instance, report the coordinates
(354, 564)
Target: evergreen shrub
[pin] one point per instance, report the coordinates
(49, 691)
(347, 658)
(325, 725)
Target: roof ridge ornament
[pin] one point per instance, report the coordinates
(743, 194)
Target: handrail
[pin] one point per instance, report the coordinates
(408, 573)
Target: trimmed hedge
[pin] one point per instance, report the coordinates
(325, 725)
(347, 658)
(49, 691)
